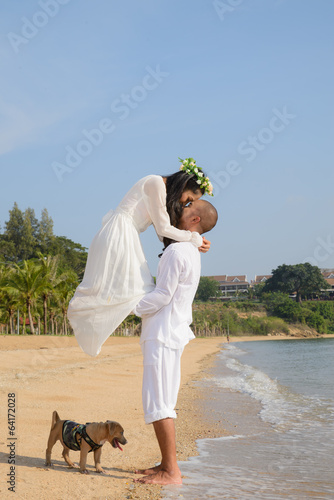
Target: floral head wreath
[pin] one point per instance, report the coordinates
(189, 166)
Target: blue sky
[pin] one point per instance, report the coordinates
(95, 95)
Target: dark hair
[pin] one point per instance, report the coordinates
(176, 184)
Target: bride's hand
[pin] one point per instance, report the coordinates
(205, 245)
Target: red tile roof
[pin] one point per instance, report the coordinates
(230, 279)
(262, 278)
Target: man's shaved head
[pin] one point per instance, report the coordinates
(200, 213)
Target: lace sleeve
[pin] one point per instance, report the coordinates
(155, 201)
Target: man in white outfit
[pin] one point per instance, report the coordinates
(166, 315)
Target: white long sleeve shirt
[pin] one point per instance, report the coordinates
(167, 311)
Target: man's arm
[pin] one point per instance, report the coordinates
(168, 278)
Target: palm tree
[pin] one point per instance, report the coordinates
(7, 309)
(49, 265)
(8, 298)
(53, 309)
(64, 292)
(29, 282)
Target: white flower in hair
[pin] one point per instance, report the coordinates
(189, 166)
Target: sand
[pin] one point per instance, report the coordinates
(52, 373)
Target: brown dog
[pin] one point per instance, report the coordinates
(86, 438)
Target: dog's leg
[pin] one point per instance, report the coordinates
(53, 438)
(97, 459)
(66, 457)
(83, 456)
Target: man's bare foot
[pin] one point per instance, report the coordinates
(148, 472)
(162, 477)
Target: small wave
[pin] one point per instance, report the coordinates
(231, 350)
(280, 405)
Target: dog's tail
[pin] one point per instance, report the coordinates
(55, 418)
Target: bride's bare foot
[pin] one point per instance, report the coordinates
(148, 472)
(162, 477)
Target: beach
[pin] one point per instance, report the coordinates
(47, 373)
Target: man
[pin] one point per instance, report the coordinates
(166, 315)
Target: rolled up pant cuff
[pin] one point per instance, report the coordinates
(159, 415)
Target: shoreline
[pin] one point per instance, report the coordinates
(9, 342)
(251, 338)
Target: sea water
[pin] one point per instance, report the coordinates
(276, 399)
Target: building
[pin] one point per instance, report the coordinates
(329, 277)
(232, 285)
(261, 279)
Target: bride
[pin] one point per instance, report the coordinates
(117, 275)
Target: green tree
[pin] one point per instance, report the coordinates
(71, 255)
(28, 281)
(301, 279)
(28, 236)
(258, 289)
(14, 231)
(53, 279)
(24, 237)
(280, 305)
(7, 249)
(49, 267)
(207, 289)
(45, 235)
(9, 300)
(64, 291)
(29, 215)
(19, 239)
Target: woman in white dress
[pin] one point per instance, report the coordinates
(117, 275)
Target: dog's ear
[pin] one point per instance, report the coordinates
(112, 427)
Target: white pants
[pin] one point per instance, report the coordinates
(161, 380)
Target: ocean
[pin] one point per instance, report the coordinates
(276, 399)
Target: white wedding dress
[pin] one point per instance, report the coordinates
(117, 275)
